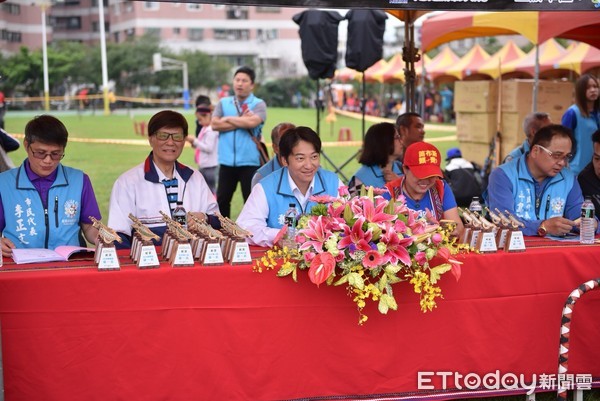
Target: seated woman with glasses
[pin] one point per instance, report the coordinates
(43, 203)
(379, 158)
(539, 188)
(160, 182)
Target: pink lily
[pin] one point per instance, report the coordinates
(356, 236)
(396, 247)
(372, 213)
(316, 234)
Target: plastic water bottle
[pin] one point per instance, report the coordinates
(180, 215)
(290, 219)
(586, 225)
(476, 207)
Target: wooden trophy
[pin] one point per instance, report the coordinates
(106, 253)
(515, 241)
(238, 251)
(472, 228)
(504, 227)
(211, 252)
(179, 250)
(486, 243)
(143, 250)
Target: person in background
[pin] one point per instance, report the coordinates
(583, 119)
(379, 157)
(2, 109)
(531, 124)
(274, 163)
(205, 143)
(45, 204)
(160, 182)
(537, 188)
(460, 174)
(411, 128)
(422, 184)
(447, 102)
(589, 178)
(7, 144)
(299, 179)
(239, 120)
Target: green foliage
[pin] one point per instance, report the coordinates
(279, 93)
(129, 66)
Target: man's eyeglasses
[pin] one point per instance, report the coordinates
(40, 154)
(163, 136)
(397, 137)
(557, 156)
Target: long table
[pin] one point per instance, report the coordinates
(228, 333)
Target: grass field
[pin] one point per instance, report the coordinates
(91, 150)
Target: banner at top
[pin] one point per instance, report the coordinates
(431, 5)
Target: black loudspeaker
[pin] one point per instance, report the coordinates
(319, 36)
(365, 38)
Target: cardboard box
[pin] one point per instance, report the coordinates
(553, 98)
(475, 127)
(474, 151)
(512, 127)
(476, 96)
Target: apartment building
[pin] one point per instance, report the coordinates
(264, 36)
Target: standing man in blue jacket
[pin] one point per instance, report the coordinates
(238, 119)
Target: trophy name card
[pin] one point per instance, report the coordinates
(237, 250)
(486, 242)
(474, 228)
(177, 241)
(106, 253)
(208, 248)
(143, 251)
(514, 241)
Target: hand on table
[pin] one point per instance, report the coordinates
(559, 226)
(7, 247)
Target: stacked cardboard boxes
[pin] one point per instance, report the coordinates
(476, 112)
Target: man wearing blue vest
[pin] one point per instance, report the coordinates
(239, 120)
(299, 179)
(43, 203)
(537, 188)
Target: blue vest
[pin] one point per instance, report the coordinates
(26, 223)
(372, 176)
(518, 151)
(584, 151)
(269, 167)
(550, 203)
(236, 147)
(279, 194)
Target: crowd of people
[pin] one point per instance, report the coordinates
(542, 182)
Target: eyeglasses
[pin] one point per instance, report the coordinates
(40, 154)
(557, 156)
(163, 136)
(397, 137)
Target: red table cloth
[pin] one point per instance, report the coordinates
(227, 333)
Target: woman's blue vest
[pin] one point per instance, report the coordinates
(550, 203)
(236, 147)
(582, 133)
(27, 225)
(372, 176)
(279, 194)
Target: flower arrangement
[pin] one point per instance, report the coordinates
(368, 244)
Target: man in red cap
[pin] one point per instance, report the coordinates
(422, 184)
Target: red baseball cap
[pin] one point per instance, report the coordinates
(423, 159)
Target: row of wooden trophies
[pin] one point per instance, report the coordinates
(503, 232)
(181, 246)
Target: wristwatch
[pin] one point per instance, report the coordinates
(542, 230)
